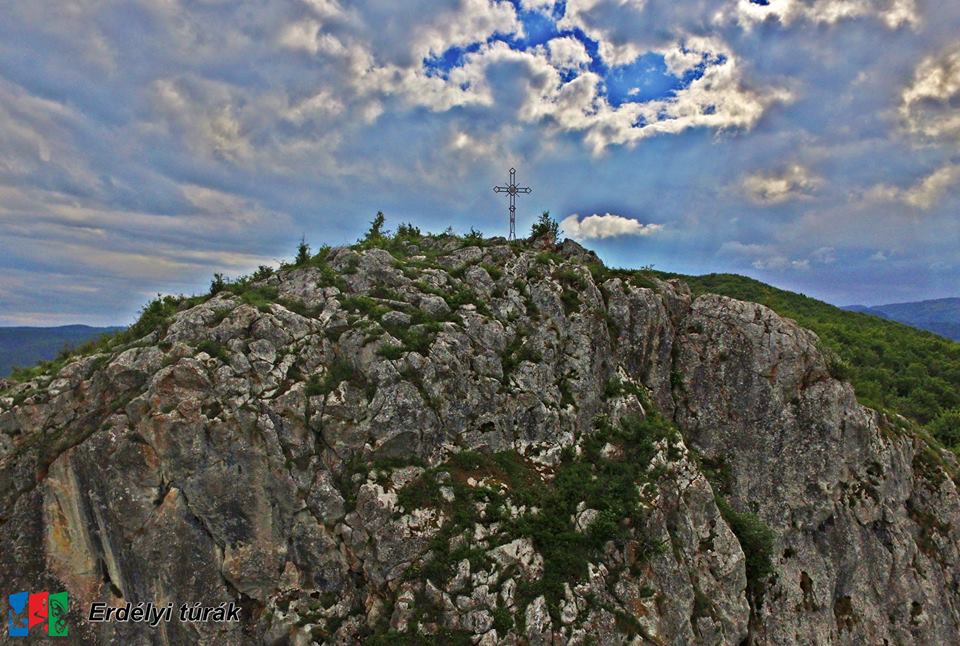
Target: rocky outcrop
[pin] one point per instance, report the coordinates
(476, 443)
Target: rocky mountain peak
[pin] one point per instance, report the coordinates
(462, 440)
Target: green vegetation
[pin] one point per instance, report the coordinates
(214, 349)
(303, 252)
(518, 351)
(756, 540)
(606, 483)
(545, 227)
(336, 374)
(891, 366)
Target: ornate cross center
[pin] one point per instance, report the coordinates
(512, 190)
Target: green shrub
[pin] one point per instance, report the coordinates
(392, 352)
(891, 366)
(260, 297)
(570, 300)
(218, 284)
(364, 305)
(495, 272)
(262, 273)
(214, 349)
(338, 372)
(946, 429)
(303, 252)
(473, 238)
(545, 227)
(756, 540)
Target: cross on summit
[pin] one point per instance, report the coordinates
(512, 190)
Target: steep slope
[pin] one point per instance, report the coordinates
(940, 316)
(892, 366)
(25, 346)
(469, 441)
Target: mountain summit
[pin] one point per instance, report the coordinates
(437, 439)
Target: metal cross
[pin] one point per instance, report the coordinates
(512, 189)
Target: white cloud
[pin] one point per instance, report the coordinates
(608, 225)
(824, 255)
(892, 13)
(768, 257)
(931, 189)
(612, 23)
(925, 194)
(207, 116)
(929, 105)
(543, 6)
(780, 263)
(567, 53)
(469, 21)
(794, 182)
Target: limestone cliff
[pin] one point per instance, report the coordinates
(476, 443)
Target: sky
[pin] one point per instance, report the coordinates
(146, 144)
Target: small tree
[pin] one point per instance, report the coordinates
(218, 284)
(376, 227)
(545, 227)
(408, 231)
(474, 237)
(946, 428)
(303, 252)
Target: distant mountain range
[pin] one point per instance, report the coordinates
(940, 316)
(25, 346)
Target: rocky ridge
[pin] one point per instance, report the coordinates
(475, 441)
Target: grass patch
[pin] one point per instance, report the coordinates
(214, 349)
(606, 484)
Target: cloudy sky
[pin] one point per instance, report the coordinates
(145, 144)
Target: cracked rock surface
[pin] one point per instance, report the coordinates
(416, 446)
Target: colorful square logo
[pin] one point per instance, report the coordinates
(37, 612)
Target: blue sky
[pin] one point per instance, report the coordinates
(145, 145)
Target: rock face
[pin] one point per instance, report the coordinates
(484, 444)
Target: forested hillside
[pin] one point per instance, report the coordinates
(892, 366)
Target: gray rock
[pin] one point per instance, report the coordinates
(434, 306)
(279, 472)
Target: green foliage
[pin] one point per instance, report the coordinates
(262, 273)
(495, 272)
(156, 315)
(392, 352)
(518, 350)
(364, 305)
(545, 227)
(214, 349)
(407, 231)
(218, 284)
(891, 366)
(338, 372)
(570, 300)
(756, 540)
(607, 484)
(946, 429)
(259, 297)
(443, 637)
(474, 237)
(502, 620)
(303, 252)
(375, 232)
